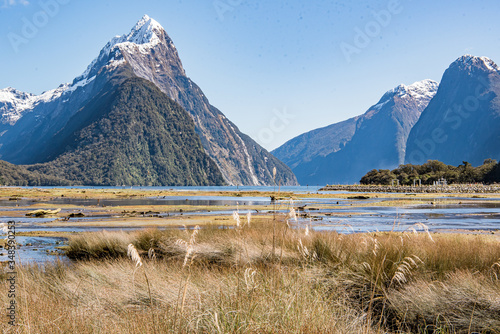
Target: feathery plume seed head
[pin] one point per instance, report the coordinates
(134, 255)
(496, 267)
(375, 246)
(181, 242)
(405, 268)
(426, 229)
(249, 217)
(250, 278)
(236, 217)
(189, 251)
(306, 254)
(274, 173)
(151, 253)
(4, 228)
(303, 249)
(192, 240)
(189, 245)
(292, 214)
(366, 266)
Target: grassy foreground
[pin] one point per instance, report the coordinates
(239, 280)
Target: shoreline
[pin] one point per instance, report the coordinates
(425, 189)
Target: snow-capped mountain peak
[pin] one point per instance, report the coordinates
(10, 94)
(468, 62)
(422, 91)
(147, 30)
(14, 102)
(146, 34)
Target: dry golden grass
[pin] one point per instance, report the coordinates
(103, 297)
(231, 283)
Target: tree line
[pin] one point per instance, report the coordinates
(433, 170)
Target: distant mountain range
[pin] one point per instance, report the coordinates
(457, 121)
(343, 152)
(129, 119)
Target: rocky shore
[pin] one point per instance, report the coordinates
(448, 189)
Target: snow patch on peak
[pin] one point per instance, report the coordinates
(424, 89)
(145, 31)
(85, 81)
(379, 105)
(490, 64)
(14, 102)
(468, 61)
(421, 91)
(146, 34)
(12, 94)
(52, 94)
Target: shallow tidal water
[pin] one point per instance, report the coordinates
(322, 214)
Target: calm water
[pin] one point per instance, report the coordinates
(321, 214)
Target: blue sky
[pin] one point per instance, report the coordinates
(275, 68)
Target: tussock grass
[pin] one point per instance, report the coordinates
(464, 302)
(227, 280)
(99, 245)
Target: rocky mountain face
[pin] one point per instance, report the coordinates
(376, 139)
(30, 123)
(316, 143)
(462, 121)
